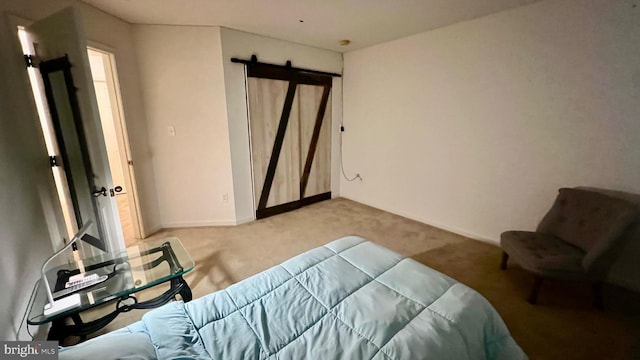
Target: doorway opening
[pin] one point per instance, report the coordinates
(107, 89)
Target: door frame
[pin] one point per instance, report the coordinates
(122, 134)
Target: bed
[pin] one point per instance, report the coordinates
(349, 299)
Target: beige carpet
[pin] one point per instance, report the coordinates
(563, 326)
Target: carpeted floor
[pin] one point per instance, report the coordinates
(564, 325)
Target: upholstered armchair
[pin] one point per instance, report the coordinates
(576, 239)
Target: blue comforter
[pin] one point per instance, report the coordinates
(350, 299)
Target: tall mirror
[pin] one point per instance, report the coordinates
(74, 155)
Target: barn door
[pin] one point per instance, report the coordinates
(290, 126)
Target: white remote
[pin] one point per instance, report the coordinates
(60, 305)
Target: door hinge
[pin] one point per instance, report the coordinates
(53, 160)
(30, 61)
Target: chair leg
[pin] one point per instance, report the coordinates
(533, 297)
(597, 296)
(505, 258)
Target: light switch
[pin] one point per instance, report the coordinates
(172, 130)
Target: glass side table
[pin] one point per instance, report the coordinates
(136, 268)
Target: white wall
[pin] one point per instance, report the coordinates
(181, 74)
(30, 219)
(114, 35)
(475, 126)
(242, 45)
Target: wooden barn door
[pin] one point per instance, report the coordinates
(290, 133)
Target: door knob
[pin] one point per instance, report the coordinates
(100, 192)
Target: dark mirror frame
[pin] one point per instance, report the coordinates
(47, 68)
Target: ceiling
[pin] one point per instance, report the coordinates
(318, 23)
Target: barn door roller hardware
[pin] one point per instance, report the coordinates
(254, 61)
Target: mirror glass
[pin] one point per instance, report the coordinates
(74, 157)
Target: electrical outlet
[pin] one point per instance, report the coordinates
(172, 130)
(225, 198)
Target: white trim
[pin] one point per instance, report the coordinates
(181, 224)
(123, 142)
(429, 222)
(245, 220)
(152, 231)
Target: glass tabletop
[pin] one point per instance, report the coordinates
(138, 267)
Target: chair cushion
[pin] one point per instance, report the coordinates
(587, 218)
(543, 254)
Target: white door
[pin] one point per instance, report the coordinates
(114, 129)
(54, 37)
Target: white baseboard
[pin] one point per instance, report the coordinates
(245, 220)
(182, 224)
(430, 222)
(153, 230)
